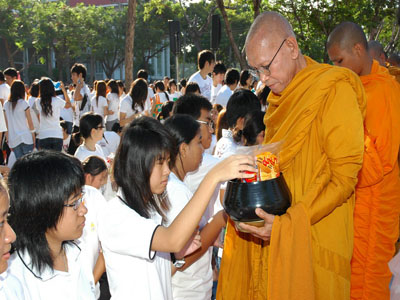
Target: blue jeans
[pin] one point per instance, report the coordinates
(22, 149)
(51, 144)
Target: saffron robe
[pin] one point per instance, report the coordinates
(319, 118)
(376, 214)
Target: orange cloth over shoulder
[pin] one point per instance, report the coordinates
(376, 214)
(319, 118)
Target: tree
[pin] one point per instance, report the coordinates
(129, 41)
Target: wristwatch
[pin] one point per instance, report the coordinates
(178, 263)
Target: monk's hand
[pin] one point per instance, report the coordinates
(264, 232)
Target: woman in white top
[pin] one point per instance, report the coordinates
(99, 101)
(33, 95)
(113, 104)
(172, 90)
(21, 133)
(91, 130)
(49, 107)
(47, 260)
(133, 104)
(194, 280)
(136, 245)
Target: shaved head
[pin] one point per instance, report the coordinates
(272, 51)
(394, 60)
(377, 52)
(346, 35)
(347, 47)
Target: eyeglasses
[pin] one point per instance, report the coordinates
(210, 124)
(265, 69)
(75, 205)
(100, 127)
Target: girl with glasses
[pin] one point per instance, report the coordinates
(136, 244)
(47, 214)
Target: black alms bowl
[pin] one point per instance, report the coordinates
(241, 199)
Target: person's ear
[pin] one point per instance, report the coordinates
(240, 123)
(183, 149)
(358, 49)
(293, 46)
(88, 179)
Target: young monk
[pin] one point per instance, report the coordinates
(316, 110)
(376, 214)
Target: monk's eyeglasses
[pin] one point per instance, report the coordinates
(265, 69)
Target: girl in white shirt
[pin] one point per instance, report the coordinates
(136, 245)
(195, 279)
(172, 90)
(133, 105)
(21, 133)
(91, 128)
(113, 104)
(49, 107)
(48, 215)
(99, 101)
(160, 97)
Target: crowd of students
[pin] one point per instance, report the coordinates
(126, 184)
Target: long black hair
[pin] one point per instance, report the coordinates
(101, 90)
(17, 91)
(253, 125)
(160, 85)
(112, 84)
(138, 93)
(144, 142)
(47, 92)
(40, 183)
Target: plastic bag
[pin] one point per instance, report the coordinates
(267, 160)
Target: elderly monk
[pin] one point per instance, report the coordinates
(316, 110)
(377, 52)
(376, 214)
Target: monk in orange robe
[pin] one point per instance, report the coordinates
(394, 66)
(317, 111)
(376, 215)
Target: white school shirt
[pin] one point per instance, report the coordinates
(196, 281)
(49, 126)
(3, 125)
(109, 143)
(89, 241)
(18, 129)
(133, 270)
(223, 95)
(126, 107)
(113, 104)
(175, 96)
(204, 84)
(214, 92)
(4, 91)
(12, 289)
(32, 108)
(77, 283)
(82, 152)
(226, 146)
(84, 91)
(149, 100)
(99, 108)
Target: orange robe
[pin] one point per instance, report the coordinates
(395, 71)
(319, 118)
(376, 214)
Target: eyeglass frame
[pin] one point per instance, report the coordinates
(75, 205)
(210, 124)
(266, 71)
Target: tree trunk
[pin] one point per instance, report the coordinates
(129, 42)
(256, 7)
(239, 58)
(10, 55)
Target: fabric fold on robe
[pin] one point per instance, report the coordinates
(319, 118)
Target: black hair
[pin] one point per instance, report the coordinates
(138, 93)
(79, 69)
(192, 87)
(94, 165)
(218, 107)
(203, 57)
(222, 123)
(240, 104)
(2, 78)
(191, 104)
(262, 94)
(244, 76)
(47, 92)
(253, 125)
(121, 84)
(101, 90)
(170, 83)
(34, 90)
(183, 82)
(17, 91)
(219, 68)
(183, 128)
(232, 76)
(40, 183)
(144, 142)
(64, 125)
(142, 73)
(112, 84)
(166, 108)
(116, 128)
(11, 72)
(89, 121)
(160, 85)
